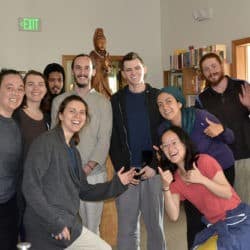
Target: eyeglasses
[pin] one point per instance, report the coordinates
(173, 143)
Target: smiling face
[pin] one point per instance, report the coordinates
(169, 108)
(73, 117)
(35, 88)
(83, 71)
(11, 94)
(212, 71)
(134, 71)
(173, 148)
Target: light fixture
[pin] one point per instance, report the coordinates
(202, 14)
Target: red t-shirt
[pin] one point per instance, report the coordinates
(211, 206)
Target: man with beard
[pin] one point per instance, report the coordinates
(55, 81)
(229, 100)
(94, 137)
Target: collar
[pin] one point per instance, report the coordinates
(228, 88)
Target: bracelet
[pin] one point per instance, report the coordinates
(165, 189)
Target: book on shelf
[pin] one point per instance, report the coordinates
(183, 58)
(220, 49)
(176, 60)
(176, 79)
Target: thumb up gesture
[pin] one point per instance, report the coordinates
(213, 129)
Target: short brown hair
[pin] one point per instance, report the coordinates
(5, 72)
(81, 55)
(129, 57)
(208, 56)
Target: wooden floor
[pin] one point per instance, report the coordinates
(175, 234)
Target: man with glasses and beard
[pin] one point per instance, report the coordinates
(229, 100)
(94, 137)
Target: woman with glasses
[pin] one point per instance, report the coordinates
(207, 134)
(199, 178)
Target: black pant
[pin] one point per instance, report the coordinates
(230, 174)
(194, 224)
(8, 224)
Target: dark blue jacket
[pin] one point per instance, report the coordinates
(119, 147)
(233, 232)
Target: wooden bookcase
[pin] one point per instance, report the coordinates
(186, 75)
(189, 80)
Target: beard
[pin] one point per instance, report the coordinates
(55, 90)
(215, 82)
(81, 85)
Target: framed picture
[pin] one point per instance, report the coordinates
(115, 79)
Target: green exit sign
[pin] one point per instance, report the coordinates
(29, 24)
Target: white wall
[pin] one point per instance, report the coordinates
(68, 27)
(179, 30)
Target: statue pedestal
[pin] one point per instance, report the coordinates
(108, 227)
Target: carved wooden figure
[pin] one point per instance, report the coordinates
(102, 63)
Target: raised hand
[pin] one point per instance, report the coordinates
(213, 129)
(126, 177)
(194, 175)
(166, 177)
(245, 95)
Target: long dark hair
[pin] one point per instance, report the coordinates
(48, 98)
(191, 151)
(63, 105)
(54, 67)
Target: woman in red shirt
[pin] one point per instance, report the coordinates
(199, 178)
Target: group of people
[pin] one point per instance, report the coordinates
(55, 146)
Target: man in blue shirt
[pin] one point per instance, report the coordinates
(135, 121)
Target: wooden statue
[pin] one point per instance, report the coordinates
(102, 63)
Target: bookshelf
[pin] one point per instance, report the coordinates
(184, 71)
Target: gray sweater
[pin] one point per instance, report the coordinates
(10, 154)
(52, 191)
